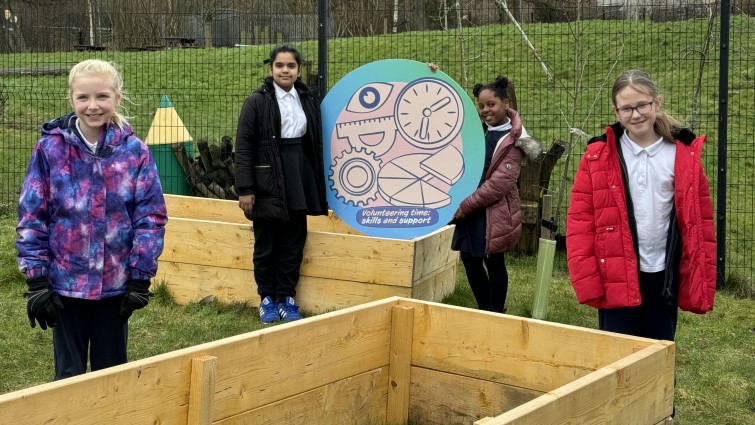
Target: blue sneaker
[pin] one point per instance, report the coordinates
(288, 310)
(269, 311)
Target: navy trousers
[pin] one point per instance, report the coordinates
(89, 328)
(278, 252)
(655, 318)
(488, 286)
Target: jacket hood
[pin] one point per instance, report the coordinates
(65, 127)
(60, 125)
(530, 146)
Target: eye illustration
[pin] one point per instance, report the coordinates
(369, 97)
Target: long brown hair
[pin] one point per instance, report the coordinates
(665, 125)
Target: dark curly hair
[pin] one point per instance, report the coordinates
(499, 87)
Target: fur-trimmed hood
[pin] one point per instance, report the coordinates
(530, 146)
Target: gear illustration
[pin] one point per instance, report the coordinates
(354, 176)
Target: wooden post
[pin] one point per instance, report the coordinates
(202, 390)
(402, 329)
(545, 232)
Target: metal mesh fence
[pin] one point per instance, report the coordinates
(207, 56)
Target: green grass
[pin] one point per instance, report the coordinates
(715, 368)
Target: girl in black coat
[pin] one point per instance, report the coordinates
(280, 179)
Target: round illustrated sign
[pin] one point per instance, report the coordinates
(403, 147)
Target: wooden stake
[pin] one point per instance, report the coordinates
(402, 329)
(202, 390)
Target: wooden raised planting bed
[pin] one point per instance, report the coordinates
(208, 251)
(393, 361)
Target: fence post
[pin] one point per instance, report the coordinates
(723, 114)
(322, 49)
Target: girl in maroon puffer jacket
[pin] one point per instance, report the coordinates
(489, 221)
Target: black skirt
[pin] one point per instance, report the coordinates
(298, 177)
(470, 234)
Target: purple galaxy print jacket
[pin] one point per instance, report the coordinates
(90, 222)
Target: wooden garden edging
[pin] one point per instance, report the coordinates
(391, 361)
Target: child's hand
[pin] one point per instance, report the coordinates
(246, 203)
(137, 296)
(42, 303)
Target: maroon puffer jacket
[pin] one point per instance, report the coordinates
(498, 194)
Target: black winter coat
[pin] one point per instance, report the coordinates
(258, 162)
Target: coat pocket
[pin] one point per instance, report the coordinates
(604, 239)
(264, 181)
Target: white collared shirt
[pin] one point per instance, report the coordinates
(92, 146)
(293, 120)
(501, 127)
(650, 172)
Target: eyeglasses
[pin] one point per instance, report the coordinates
(641, 108)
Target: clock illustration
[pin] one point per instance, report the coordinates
(429, 113)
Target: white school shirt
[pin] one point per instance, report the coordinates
(293, 120)
(650, 172)
(92, 146)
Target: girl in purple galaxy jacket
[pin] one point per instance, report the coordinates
(91, 220)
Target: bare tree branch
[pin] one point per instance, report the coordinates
(701, 68)
(503, 4)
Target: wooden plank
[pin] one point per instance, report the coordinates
(208, 243)
(443, 398)
(326, 255)
(637, 389)
(358, 399)
(204, 209)
(198, 208)
(253, 370)
(358, 258)
(318, 294)
(437, 286)
(512, 350)
(189, 282)
(433, 252)
(402, 324)
(202, 390)
(300, 356)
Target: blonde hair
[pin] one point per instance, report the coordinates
(665, 125)
(96, 67)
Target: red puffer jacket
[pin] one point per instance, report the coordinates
(603, 263)
(499, 194)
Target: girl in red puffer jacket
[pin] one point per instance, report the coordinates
(639, 235)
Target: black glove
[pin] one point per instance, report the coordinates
(42, 303)
(136, 297)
